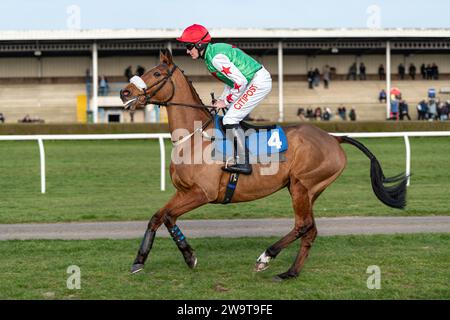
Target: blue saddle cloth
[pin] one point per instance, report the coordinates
(261, 141)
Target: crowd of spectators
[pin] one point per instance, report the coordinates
(428, 109)
(314, 76)
(325, 114)
(428, 72)
(399, 109)
(352, 71)
(433, 109)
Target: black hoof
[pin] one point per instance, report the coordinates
(285, 276)
(135, 268)
(191, 262)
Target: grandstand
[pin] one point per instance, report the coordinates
(44, 73)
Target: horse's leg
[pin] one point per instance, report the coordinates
(180, 203)
(306, 243)
(170, 222)
(304, 224)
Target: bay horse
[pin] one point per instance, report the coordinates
(314, 159)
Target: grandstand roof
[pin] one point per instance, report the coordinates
(107, 34)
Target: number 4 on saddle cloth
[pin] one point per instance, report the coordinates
(263, 143)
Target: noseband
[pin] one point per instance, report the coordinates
(146, 97)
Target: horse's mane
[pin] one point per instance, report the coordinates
(193, 91)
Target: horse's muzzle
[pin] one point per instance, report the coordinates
(128, 104)
(124, 93)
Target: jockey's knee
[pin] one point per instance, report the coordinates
(227, 120)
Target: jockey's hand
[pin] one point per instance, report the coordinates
(220, 104)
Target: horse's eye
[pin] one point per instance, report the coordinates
(157, 74)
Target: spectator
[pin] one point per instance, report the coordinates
(352, 114)
(394, 109)
(327, 115)
(104, 86)
(2, 118)
(381, 72)
(401, 71)
(309, 113)
(412, 71)
(310, 77)
(444, 111)
(316, 77)
(362, 71)
(326, 76)
(423, 71)
(318, 114)
(429, 72)
(352, 72)
(301, 114)
(382, 96)
(434, 71)
(128, 73)
(403, 106)
(422, 110)
(432, 110)
(140, 70)
(342, 112)
(88, 76)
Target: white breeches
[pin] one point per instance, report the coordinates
(254, 93)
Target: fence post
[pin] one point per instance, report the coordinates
(42, 157)
(162, 150)
(408, 158)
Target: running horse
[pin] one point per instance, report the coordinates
(313, 161)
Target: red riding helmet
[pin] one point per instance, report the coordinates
(195, 34)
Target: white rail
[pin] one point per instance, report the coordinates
(40, 139)
(161, 136)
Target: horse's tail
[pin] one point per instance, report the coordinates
(394, 195)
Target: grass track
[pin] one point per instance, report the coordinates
(412, 267)
(119, 180)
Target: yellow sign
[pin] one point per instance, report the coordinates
(82, 108)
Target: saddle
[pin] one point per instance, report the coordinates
(261, 143)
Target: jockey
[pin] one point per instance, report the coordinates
(247, 83)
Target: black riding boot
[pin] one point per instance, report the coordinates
(241, 160)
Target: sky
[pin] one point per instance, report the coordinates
(177, 14)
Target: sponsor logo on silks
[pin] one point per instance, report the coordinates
(240, 103)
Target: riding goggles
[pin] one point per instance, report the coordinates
(190, 46)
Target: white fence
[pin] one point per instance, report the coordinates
(40, 139)
(161, 136)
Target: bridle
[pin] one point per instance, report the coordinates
(145, 98)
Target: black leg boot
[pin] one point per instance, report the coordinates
(241, 160)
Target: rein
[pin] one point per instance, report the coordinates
(146, 99)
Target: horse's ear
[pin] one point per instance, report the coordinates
(165, 56)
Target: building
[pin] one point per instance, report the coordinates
(53, 75)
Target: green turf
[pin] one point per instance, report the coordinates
(412, 267)
(119, 180)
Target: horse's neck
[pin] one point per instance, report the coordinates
(181, 117)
